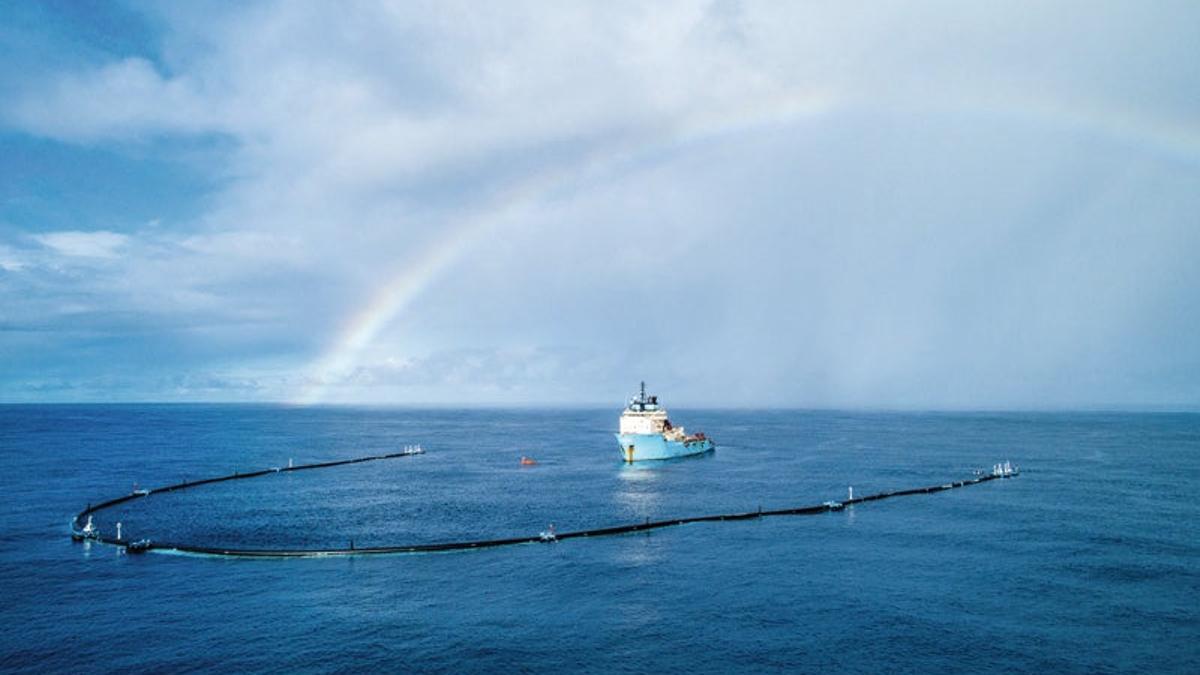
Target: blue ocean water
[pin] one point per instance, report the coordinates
(1088, 562)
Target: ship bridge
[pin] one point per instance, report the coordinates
(643, 415)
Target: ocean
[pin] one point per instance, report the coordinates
(1088, 562)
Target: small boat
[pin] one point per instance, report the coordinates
(89, 531)
(139, 546)
(835, 506)
(1004, 469)
(528, 461)
(548, 534)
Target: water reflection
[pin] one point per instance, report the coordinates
(639, 490)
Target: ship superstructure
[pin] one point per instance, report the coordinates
(646, 432)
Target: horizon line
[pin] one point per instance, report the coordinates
(1097, 408)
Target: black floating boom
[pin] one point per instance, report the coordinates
(78, 534)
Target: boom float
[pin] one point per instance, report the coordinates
(83, 530)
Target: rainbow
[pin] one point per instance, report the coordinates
(401, 290)
(1180, 142)
(1159, 136)
(389, 301)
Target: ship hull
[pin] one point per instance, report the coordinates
(645, 447)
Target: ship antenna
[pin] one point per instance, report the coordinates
(643, 390)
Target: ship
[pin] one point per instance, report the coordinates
(646, 433)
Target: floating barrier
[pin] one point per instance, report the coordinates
(81, 531)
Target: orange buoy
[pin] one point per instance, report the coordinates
(527, 461)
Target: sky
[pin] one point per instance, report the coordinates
(909, 205)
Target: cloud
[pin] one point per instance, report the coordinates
(807, 204)
(99, 244)
(479, 375)
(127, 98)
(10, 260)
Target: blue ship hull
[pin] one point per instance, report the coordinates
(640, 447)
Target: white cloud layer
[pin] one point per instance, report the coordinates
(99, 244)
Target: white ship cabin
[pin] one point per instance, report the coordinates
(643, 415)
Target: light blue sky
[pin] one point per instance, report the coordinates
(902, 205)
